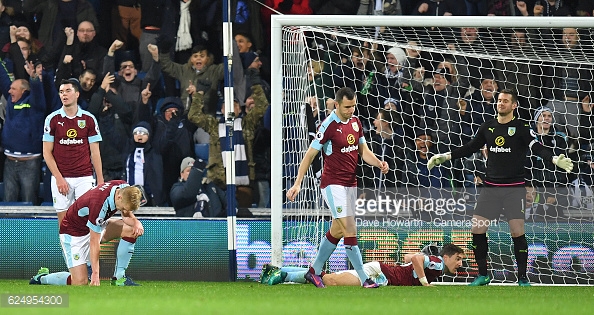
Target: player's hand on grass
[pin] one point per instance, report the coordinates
(293, 191)
(384, 168)
(95, 279)
(438, 159)
(563, 162)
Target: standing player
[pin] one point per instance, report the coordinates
(71, 149)
(86, 224)
(506, 139)
(418, 269)
(340, 137)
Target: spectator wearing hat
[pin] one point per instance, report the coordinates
(251, 63)
(191, 196)
(544, 173)
(172, 128)
(186, 195)
(143, 162)
(391, 79)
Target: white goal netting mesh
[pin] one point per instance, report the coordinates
(421, 91)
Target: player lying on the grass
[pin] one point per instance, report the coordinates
(87, 224)
(418, 269)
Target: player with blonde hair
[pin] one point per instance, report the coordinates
(87, 224)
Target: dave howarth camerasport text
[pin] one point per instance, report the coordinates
(394, 206)
(437, 222)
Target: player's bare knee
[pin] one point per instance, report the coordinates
(74, 280)
(329, 280)
(128, 231)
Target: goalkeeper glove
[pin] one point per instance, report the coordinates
(563, 162)
(438, 159)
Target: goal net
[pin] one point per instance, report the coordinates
(423, 86)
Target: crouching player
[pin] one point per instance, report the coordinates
(86, 225)
(418, 269)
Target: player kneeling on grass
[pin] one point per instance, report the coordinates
(418, 269)
(87, 225)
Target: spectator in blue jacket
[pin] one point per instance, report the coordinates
(21, 135)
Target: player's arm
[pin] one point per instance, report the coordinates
(418, 262)
(310, 155)
(50, 161)
(370, 158)
(130, 219)
(96, 160)
(95, 247)
(466, 150)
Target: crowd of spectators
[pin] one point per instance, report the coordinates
(151, 73)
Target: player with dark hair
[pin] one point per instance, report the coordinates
(418, 269)
(71, 149)
(87, 224)
(340, 138)
(506, 139)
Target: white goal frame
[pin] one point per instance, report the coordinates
(277, 23)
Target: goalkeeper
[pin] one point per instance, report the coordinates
(418, 269)
(506, 139)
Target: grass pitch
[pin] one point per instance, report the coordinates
(161, 297)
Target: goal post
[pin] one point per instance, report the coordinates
(560, 250)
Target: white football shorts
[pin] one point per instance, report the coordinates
(77, 187)
(341, 200)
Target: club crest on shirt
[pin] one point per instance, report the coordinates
(355, 126)
(339, 209)
(76, 257)
(82, 124)
(511, 131)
